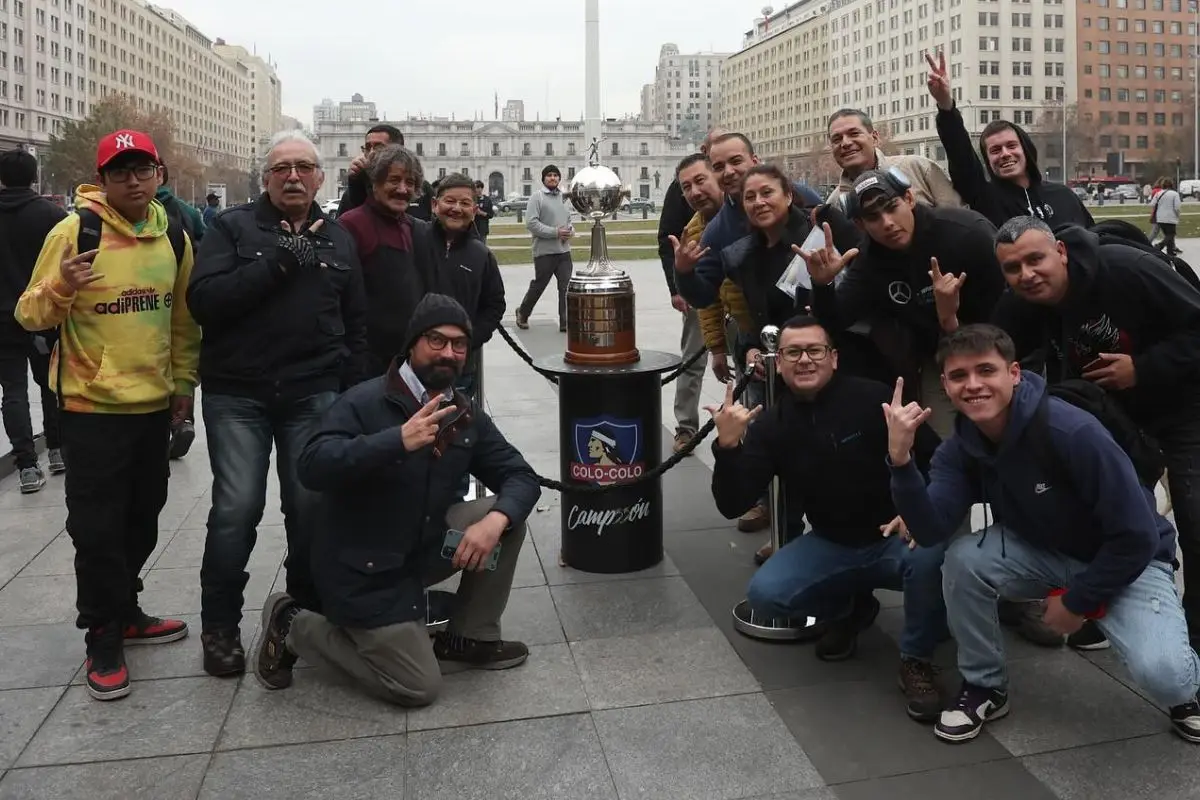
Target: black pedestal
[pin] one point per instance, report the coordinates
(610, 433)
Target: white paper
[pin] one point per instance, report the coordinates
(795, 275)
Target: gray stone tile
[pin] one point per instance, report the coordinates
(22, 711)
(729, 747)
(531, 617)
(186, 549)
(1162, 767)
(57, 558)
(994, 780)
(1111, 663)
(44, 600)
(811, 794)
(52, 495)
(549, 545)
(159, 718)
(1061, 701)
(177, 510)
(35, 521)
(627, 608)
(314, 709)
(546, 685)
(660, 667)
(856, 731)
(39, 655)
(542, 759)
(356, 769)
(529, 568)
(177, 591)
(170, 778)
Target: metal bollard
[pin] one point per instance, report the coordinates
(746, 621)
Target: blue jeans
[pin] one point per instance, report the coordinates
(812, 576)
(1144, 622)
(240, 433)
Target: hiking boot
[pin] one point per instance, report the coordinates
(917, 682)
(146, 629)
(974, 706)
(57, 465)
(682, 439)
(1089, 637)
(755, 520)
(273, 661)
(1026, 618)
(107, 675)
(181, 439)
(522, 320)
(840, 640)
(457, 653)
(32, 479)
(223, 652)
(1185, 719)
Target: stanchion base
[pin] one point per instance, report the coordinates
(437, 610)
(777, 629)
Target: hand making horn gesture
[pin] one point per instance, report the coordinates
(825, 264)
(687, 255)
(732, 419)
(946, 295)
(902, 423)
(938, 81)
(422, 429)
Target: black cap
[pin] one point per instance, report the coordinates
(550, 168)
(890, 183)
(434, 310)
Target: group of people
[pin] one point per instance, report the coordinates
(945, 343)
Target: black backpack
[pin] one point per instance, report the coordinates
(1119, 231)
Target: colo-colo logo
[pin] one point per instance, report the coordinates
(603, 518)
(608, 450)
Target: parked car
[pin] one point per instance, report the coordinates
(637, 204)
(513, 204)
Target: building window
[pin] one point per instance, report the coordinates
(527, 175)
(570, 174)
(441, 172)
(616, 149)
(549, 148)
(526, 190)
(342, 150)
(441, 148)
(527, 149)
(495, 148)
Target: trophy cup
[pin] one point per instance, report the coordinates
(600, 320)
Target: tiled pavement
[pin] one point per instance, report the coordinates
(637, 686)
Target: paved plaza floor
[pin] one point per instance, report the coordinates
(637, 686)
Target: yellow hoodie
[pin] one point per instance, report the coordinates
(128, 341)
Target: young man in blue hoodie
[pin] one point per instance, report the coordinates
(1082, 533)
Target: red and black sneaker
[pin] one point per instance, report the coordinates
(107, 675)
(152, 630)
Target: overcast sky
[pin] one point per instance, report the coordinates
(443, 58)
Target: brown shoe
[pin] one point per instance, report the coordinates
(763, 553)
(755, 520)
(682, 438)
(916, 680)
(522, 321)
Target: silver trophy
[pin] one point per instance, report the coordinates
(600, 309)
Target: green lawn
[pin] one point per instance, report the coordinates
(1189, 220)
(650, 225)
(579, 255)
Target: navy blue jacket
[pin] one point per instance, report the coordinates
(1105, 517)
(700, 286)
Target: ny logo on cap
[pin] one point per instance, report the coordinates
(124, 140)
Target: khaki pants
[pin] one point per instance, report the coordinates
(395, 662)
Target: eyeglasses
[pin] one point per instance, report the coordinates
(303, 169)
(143, 172)
(816, 352)
(373, 146)
(436, 341)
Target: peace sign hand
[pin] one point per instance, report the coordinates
(938, 81)
(687, 255)
(825, 264)
(732, 419)
(946, 295)
(77, 270)
(422, 428)
(902, 423)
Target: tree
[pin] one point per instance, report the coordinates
(71, 158)
(1084, 129)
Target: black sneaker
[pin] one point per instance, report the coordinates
(917, 682)
(1089, 637)
(107, 675)
(840, 640)
(223, 652)
(181, 439)
(273, 661)
(975, 705)
(457, 653)
(1026, 617)
(1186, 721)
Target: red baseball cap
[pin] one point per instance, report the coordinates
(121, 142)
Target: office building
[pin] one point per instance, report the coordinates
(266, 94)
(514, 111)
(687, 91)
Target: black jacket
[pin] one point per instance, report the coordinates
(483, 225)
(383, 509)
(25, 219)
(882, 283)
(676, 214)
(270, 333)
(1001, 200)
(1120, 300)
(467, 271)
(831, 454)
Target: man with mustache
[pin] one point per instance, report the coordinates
(388, 459)
(278, 292)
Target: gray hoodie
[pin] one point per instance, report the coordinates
(546, 213)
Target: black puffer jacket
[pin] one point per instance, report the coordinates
(384, 509)
(25, 219)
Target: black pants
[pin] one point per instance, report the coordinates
(117, 472)
(1167, 245)
(557, 266)
(1181, 446)
(14, 387)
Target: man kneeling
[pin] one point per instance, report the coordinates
(826, 440)
(389, 457)
(1073, 526)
